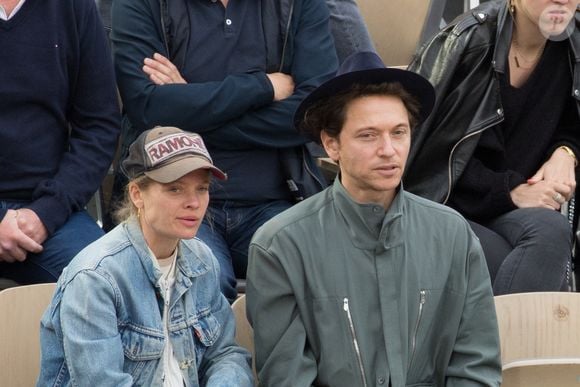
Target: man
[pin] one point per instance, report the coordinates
(365, 284)
(234, 72)
(59, 122)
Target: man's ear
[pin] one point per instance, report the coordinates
(330, 144)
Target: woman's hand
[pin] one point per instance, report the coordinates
(558, 169)
(161, 71)
(545, 194)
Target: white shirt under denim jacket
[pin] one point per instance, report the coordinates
(104, 326)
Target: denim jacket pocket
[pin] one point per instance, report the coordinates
(142, 352)
(206, 330)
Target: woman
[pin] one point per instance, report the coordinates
(501, 143)
(142, 305)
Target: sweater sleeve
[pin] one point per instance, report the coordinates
(137, 34)
(314, 62)
(236, 112)
(93, 120)
(481, 192)
(567, 133)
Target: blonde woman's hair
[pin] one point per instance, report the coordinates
(126, 208)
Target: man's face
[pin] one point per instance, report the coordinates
(372, 148)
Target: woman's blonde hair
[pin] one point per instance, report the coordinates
(126, 208)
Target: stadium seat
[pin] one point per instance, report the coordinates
(21, 309)
(540, 339)
(244, 332)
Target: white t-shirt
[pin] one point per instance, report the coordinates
(3, 15)
(172, 376)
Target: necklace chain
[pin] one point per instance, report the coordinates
(518, 55)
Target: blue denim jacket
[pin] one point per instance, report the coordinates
(104, 326)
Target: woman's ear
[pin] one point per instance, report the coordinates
(135, 195)
(331, 145)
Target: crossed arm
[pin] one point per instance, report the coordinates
(242, 111)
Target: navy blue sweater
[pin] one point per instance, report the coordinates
(59, 115)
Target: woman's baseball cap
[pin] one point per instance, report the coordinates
(166, 153)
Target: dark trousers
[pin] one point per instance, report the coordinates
(527, 250)
(79, 231)
(227, 229)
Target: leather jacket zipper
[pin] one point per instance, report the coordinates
(422, 300)
(355, 341)
(449, 174)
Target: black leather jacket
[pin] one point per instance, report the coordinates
(463, 63)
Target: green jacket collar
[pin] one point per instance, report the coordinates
(368, 224)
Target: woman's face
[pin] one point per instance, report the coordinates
(172, 211)
(551, 16)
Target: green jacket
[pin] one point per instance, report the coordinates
(344, 294)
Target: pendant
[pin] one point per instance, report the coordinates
(517, 61)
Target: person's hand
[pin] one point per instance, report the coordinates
(31, 225)
(283, 85)
(545, 194)
(559, 169)
(14, 243)
(161, 71)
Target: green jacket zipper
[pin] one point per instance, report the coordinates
(422, 300)
(355, 341)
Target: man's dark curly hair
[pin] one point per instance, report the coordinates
(329, 114)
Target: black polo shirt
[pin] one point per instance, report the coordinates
(224, 41)
(227, 41)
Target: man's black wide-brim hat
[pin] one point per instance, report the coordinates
(366, 68)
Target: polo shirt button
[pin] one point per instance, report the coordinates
(376, 209)
(381, 380)
(228, 22)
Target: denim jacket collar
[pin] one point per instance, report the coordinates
(186, 268)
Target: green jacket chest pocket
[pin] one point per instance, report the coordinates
(335, 344)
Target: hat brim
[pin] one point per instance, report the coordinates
(419, 87)
(179, 168)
